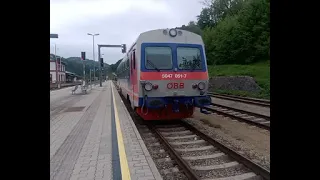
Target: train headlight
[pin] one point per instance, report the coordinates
(165, 32)
(194, 86)
(173, 32)
(201, 85)
(148, 86)
(155, 86)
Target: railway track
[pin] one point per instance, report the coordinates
(259, 102)
(255, 119)
(181, 151)
(199, 156)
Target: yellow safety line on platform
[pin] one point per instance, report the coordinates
(122, 152)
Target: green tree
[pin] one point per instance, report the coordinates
(217, 10)
(241, 37)
(206, 18)
(192, 27)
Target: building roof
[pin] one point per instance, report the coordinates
(71, 73)
(68, 72)
(53, 58)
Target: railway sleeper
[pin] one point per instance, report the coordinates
(215, 167)
(172, 129)
(169, 170)
(196, 149)
(181, 137)
(192, 158)
(260, 119)
(245, 176)
(188, 142)
(167, 159)
(154, 144)
(176, 133)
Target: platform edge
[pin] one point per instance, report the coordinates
(125, 172)
(146, 153)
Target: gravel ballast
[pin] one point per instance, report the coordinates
(250, 141)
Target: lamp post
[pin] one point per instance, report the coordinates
(58, 66)
(94, 66)
(55, 36)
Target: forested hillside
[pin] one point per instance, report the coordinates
(75, 65)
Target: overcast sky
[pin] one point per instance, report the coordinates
(117, 22)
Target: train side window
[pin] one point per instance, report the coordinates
(134, 59)
(131, 68)
(127, 64)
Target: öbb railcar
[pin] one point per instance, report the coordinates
(164, 74)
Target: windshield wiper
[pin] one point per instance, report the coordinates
(154, 66)
(194, 64)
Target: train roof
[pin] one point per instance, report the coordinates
(162, 36)
(157, 35)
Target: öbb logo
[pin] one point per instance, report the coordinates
(175, 85)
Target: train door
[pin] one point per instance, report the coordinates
(129, 74)
(133, 71)
(131, 80)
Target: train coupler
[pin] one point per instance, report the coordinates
(204, 111)
(175, 106)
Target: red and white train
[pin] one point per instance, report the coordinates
(164, 74)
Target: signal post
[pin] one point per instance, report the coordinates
(123, 50)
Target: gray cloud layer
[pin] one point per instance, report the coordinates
(117, 22)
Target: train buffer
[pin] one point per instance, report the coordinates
(94, 137)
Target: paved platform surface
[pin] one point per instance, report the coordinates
(92, 136)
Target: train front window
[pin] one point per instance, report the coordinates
(157, 58)
(189, 58)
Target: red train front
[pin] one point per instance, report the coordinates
(164, 74)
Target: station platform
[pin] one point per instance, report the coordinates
(92, 137)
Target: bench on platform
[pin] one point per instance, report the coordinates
(84, 89)
(75, 88)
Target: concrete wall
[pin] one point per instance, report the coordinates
(52, 66)
(61, 76)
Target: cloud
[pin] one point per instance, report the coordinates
(117, 22)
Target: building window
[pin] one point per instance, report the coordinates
(50, 77)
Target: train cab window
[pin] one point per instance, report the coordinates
(158, 58)
(189, 58)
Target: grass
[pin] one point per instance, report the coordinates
(259, 71)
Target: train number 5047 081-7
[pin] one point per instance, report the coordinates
(177, 76)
